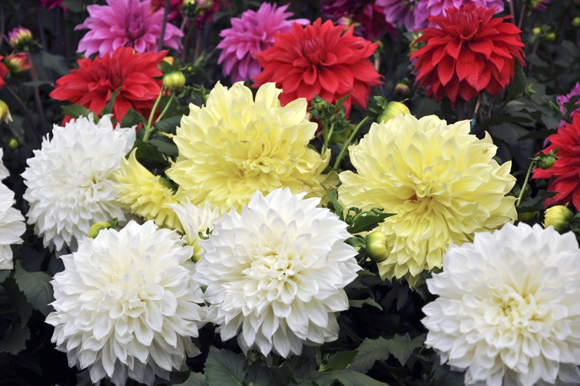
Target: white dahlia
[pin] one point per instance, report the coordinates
(70, 179)
(4, 173)
(508, 310)
(11, 226)
(127, 305)
(278, 273)
(195, 219)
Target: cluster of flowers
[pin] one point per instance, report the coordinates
(239, 211)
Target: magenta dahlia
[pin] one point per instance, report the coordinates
(399, 12)
(426, 8)
(125, 23)
(251, 33)
(367, 16)
(566, 98)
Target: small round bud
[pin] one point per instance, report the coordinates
(97, 227)
(376, 246)
(13, 144)
(558, 217)
(546, 161)
(17, 63)
(550, 37)
(536, 30)
(174, 80)
(5, 112)
(19, 38)
(402, 89)
(576, 21)
(392, 110)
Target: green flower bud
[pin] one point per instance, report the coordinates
(174, 80)
(546, 161)
(559, 217)
(5, 112)
(536, 31)
(392, 110)
(97, 227)
(13, 144)
(550, 37)
(376, 246)
(402, 89)
(576, 21)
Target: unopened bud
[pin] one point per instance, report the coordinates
(558, 217)
(546, 161)
(392, 110)
(174, 80)
(401, 89)
(5, 112)
(13, 144)
(376, 246)
(550, 37)
(576, 21)
(19, 38)
(536, 30)
(17, 63)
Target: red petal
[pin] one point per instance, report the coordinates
(484, 46)
(445, 70)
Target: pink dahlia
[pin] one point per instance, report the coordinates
(566, 98)
(125, 23)
(368, 17)
(251, 33)
(399, 12)
(426, 8)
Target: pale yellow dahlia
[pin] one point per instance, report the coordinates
(235, 146)
(440, 182)
(145, 194)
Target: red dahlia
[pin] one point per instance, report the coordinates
(566, 170)
(321, 59)
(92, 84)
(470, 52)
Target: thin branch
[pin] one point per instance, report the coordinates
(163, 26)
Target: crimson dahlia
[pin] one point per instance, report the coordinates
(468, 53)
(321, 59)
(566, 170)
(92, 84)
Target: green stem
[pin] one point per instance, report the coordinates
(348, 141)
(149, 127)
(165, 108)
(327, 138)
(532, 165)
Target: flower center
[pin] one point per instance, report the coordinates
(515, 310)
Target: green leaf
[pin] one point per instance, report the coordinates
(346, 378)
(132, 118)
(56, 63)
(148, 152)
(518, 85)
(340, 361)
(368, 301)
(258, 375)
(370, 351)
(224, 368)
(15, 341)
(3, 275)
(167, 148)
(536, 203)
(367, 221)
(194, 379)
(109, 107)
(334, 204)
(168, 125)
(402, 346)
(76, 111)
(36, 287)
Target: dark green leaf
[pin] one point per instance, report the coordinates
(536, 203)
(109, 107)
(367, 221)
(368, 301)
(54, 62)
(224, 368)
(258, 375)
(15, 340)
(168, 125)
(194, 379)
(346, 378)
(148, 152)
(370, 351)
(167, 148)
(340, 360)
(402, 346)
(518, 85)
(36, 287)
(334, 204)
(3, 275)
(132, 118)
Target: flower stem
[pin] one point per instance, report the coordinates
(348, 141)
(165, 108)
(327, 139)
(532, 165)
(149, 128)
(163, 26)
(34, 76)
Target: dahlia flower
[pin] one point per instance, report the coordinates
(277, 272)
(366, 13)
(566, 180)
(195, 219)
(235, 145)
(468, 53)
(92, 84)
(253, 32)
(126, 304)
(4, 173)
(441, 184)
(17, 63)
(19, 37)
(70, 179)
(399, 12)
(11, 226)
(507, 310)
(321, 59)
(126, 23)
(426, 8)
(566, 98)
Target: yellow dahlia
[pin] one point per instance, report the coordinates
(145, 194)
(440, 182)
(235, 146)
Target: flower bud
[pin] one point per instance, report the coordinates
(576, 21)
(550, 37)
(13, 144)
(174, 80)
(546, 161)
(5, 112)
(19, 38)
(402, 89)
(96, 228)
(559, 217)
(17, 63)
(536, 30)
(392, 110)
(376, 246)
